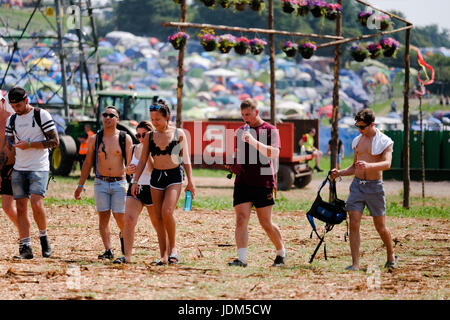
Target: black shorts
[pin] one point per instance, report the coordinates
(260, 197)
(143, 194)
(6, 187)
(162, 179)
(309, 151)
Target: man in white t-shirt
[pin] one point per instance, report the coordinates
(31, 132)
(9, 155)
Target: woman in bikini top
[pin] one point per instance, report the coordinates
(169, 150)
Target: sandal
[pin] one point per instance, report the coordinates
(173, 259)
(351, 268)
(392, 264)
(120, 260)
(157, 262)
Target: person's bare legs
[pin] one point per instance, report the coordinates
(354, 236)
(265, 220)
(133, 208)
(103, 226)
(120, 220)
(157, 223)
(37, 205)
(242, 211)
(157, 199)
(22, 218)
(10, 210)
(171, 195)
(385, 235)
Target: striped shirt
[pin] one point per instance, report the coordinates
(26, 129)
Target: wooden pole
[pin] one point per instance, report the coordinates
(272, 66)
(335, 118)
(248, 30)
(363, 37)
(406, 154)
(180, 69)
(385, 12)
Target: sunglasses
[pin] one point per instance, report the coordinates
(362, 127)
(106, 115)
(154, 107)
(138, 135)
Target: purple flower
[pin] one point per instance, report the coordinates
(289, 44)
(257, 42)
(334, 7)
(389, 42)
(207, 37)
(309, 45)
(357, 48)
(303, 3)
(373, 47)
(365, 14)
(318, 3)
(178, 35)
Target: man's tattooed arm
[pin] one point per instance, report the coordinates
(52, 139)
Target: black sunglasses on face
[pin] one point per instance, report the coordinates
(106, 115)
(361, 127)
(138, 135)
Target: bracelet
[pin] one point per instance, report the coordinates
(80, 186)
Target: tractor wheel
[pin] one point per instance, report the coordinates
(302, 182)
(63, 156)
(285, 177)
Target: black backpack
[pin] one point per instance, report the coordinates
(122, 144)
(36, 120)
(332, 213)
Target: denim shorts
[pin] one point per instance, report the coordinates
(110, 195)
(25, 183)
(368, 193)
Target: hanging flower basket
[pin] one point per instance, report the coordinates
(178, 40)
(288, 6)
(224, 3)
(226, 42)
(241, 45)
(257, 46)
(390, 46)
(257, 5)
(359, 52)
(318, 8)
(333, 11)
(289, 48)
(375, 50)
(208, 41)
(303, 7)
(384, 22)
(307, 49)
(208, 3)
(363, 16)
(240, 5)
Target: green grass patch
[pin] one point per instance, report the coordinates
(69, 202)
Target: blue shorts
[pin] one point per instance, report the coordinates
(25, 183)
(368, 193)
(110, 195)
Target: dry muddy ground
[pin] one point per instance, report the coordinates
(206, 243)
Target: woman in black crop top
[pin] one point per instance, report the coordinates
(169, 149)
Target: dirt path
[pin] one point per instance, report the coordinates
(206, 243)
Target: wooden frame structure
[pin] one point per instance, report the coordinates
(338, 41)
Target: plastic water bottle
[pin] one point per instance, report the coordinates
(188, 201)
(246, 126)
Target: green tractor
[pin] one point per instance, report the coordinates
(133, 107)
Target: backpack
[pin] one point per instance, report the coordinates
(36, 119)
(332, 213)
(122, 144)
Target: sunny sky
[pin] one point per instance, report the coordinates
(419, 12)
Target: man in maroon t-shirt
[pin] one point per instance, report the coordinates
(258, 144)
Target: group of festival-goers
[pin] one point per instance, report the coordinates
(159, 164)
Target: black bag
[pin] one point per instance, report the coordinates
(332, 213)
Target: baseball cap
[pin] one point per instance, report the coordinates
(17, 94)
